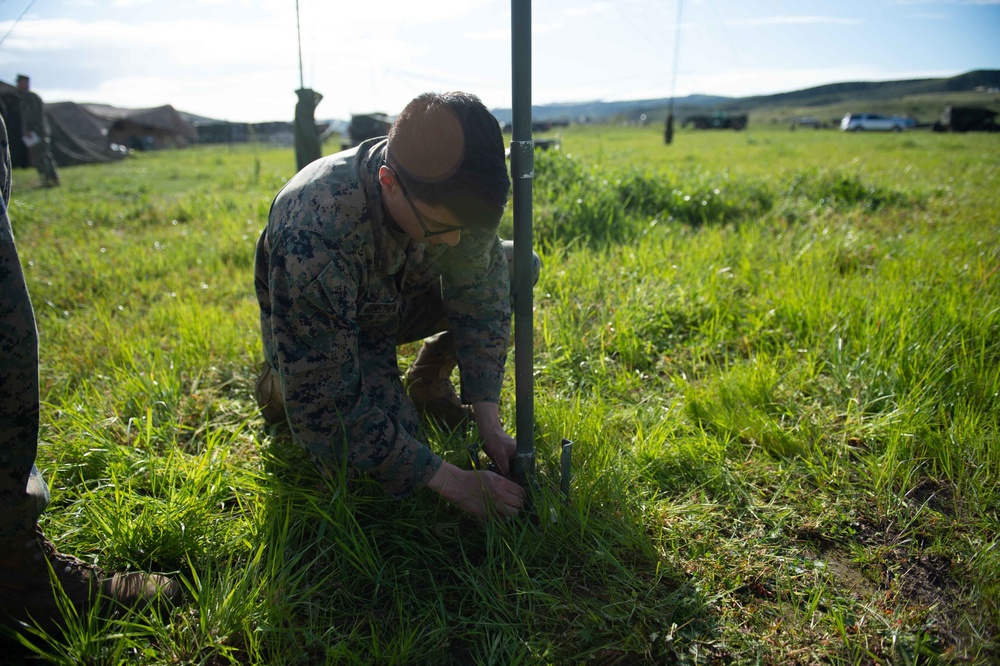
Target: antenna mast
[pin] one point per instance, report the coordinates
(669, 134)
(298, 29)
(17, 21)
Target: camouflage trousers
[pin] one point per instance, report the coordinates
(377, 352)
(429, 317)
(23, 494)
(431, 326)
(42, 159)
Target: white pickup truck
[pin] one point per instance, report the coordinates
(857, 122)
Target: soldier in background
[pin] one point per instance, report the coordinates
(35, 133)
(30, 565)
(386, 243)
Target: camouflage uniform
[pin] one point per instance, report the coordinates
(23, 494)
(33, 120)
(339, 288)
(31, 568)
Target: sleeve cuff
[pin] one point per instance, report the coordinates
(409, 470)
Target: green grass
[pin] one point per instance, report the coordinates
(778, 354)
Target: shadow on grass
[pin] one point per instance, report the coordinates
(356, 577)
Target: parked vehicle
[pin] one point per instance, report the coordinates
(857, 122)
(718, 120)
(806, 121)
(967, 119)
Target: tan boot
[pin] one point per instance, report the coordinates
(428, 383)
(30, 568)
(267, 391)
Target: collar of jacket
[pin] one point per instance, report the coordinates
(391, 246)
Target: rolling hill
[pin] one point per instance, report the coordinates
(922, 98)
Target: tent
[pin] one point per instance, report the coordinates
(142, 129)
(89, 133)
(77, 137)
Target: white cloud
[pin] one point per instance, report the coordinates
(796, 20)
(589, 10)
(500, 34)
(384, 12)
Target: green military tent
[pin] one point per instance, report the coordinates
(138, 129)
(91, 133)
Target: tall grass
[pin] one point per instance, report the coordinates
(777, 354)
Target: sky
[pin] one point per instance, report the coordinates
(239, 60)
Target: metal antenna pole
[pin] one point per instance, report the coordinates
(17, 21)
(298, 29)
(522, 168)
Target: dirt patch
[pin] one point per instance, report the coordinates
(937, 495)
(895, 569)
(927, 579)
(848, 574)
(913, 577)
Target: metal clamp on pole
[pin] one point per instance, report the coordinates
(522, 159)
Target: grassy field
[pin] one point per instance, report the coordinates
(778, 354)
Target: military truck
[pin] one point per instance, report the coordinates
(366, 126)
(967, 119)
(717, 120)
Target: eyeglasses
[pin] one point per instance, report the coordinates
(441, 228)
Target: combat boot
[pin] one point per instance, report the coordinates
(428, 383)
(31, 567)
(267, 391)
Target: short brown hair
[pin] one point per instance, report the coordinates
(448, 150)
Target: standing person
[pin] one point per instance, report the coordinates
(30, 566)
(307, 145)
(35, 133)
(386, 243)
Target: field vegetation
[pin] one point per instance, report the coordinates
(777, 353)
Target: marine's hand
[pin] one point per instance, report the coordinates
(497, 444)
(500, 447)
(479, 493)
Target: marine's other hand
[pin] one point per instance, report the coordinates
(480, 493)
(500, 447)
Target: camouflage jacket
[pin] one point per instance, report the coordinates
(329, 276)
(5, 232)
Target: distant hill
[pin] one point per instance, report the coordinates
(598, 110)
(875, 96)
(860, 91)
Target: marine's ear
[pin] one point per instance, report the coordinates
(387, 179)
